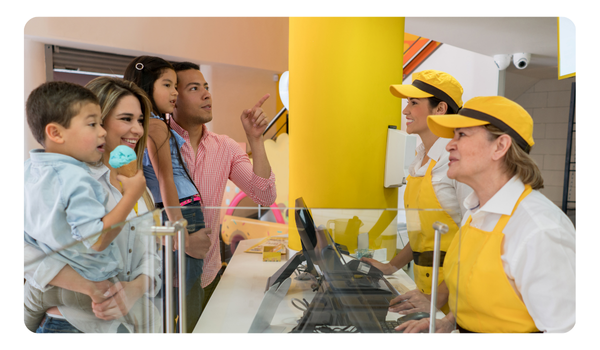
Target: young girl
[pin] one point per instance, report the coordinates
(166, 172)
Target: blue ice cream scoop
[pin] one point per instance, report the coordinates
(120, 156)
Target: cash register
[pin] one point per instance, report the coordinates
(351, 296)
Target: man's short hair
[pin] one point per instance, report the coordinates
(55, 102)
(181, 66)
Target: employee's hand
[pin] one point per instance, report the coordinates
(387, 269)
(442, 325)
(254, 120)
(409, 302)
(415, 326)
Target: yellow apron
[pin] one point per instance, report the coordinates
(487, 303)
(419, 194)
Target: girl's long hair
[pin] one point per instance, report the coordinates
(144, 71)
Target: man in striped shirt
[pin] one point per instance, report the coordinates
(213, 159)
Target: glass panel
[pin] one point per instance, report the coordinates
(319, 283)
(134, 284)
(421, 229)
(193, 264)
(273, 270)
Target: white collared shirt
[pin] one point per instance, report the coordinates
(538, 252)
(450, 193)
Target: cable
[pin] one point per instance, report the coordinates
(302, 302)
(335, 329)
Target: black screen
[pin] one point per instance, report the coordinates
(307, 232)
(305, 225)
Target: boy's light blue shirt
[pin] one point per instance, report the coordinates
(64, 205)
(185, 187)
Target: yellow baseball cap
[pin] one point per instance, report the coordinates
(430, 83)
(498, 111)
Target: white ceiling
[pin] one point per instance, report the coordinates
(497, 35)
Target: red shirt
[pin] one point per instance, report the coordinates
(220, 158)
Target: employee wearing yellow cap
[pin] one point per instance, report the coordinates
(517, 248)
(428, 187)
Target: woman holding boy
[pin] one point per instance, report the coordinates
(124, 113)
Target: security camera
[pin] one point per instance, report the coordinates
(521, 60)
(502, 61)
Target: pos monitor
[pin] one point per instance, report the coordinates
(308, 237)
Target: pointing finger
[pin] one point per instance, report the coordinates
(262, 100)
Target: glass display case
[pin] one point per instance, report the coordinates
(294, 269)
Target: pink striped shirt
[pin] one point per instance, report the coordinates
(220, 158)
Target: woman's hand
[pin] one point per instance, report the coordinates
(199, 243)
(121, 297)
(443, 325)
(387, 269)
(410, 302)
(97, 290)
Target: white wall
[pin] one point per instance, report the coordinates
(546, 100)
(477, 73)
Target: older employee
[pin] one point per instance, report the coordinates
(516, 248)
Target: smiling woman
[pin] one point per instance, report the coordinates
(126, 121)
(130, 291)
(125, 115)
(428, 187)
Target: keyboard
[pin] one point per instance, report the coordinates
(388, 326)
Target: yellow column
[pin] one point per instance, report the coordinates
(340, 109)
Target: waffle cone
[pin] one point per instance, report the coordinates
(129, 169)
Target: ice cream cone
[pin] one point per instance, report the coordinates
(129, 169)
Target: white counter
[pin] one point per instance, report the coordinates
(239, 294)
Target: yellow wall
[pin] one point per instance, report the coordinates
(340, 108)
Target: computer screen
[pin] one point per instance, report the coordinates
(305, 225)
(306, 230)
(346, 297)
(308, 236)
(321, 248)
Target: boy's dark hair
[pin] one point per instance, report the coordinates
(181, 66)
(55, 102)
(144, 71)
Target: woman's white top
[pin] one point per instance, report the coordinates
(450, 193)
(538, 253)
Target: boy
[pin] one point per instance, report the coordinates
(64, 205)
